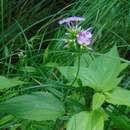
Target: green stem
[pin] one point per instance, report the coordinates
(79, 54)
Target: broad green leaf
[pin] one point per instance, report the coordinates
(102, 73)
(86, 121)
(96, 120)
(87, 77)
(93, 80)
(119, 96)
(107, 62)
(79, 121)
(85, 60)
(106, 68)
(38, 106)
(6, 83)
(98, 100)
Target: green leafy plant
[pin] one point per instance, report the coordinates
(103, 76)
(32, 47)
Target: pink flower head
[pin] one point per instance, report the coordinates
(84, 37)
(71, 19)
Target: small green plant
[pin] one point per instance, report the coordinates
(103, 76)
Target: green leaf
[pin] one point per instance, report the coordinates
(102, 73)
(8, 83)
(98, 100)
(86, 121)
(85, 60)
(107, 66)
(119, 96)
(96, 120)
(38, 106)
(79, 121)
(68, 72)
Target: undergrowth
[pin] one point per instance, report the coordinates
(32, 47)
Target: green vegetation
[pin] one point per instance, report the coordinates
(46, 86)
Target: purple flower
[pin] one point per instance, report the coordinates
(84, 37)
(71, 19)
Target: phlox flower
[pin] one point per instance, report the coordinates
(84, 37)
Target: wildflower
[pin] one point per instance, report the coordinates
(71, 20)
(84, 37)
(75, 34)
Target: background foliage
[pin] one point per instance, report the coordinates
(31, 48)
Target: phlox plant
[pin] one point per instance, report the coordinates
(92, 84)
(99, 73)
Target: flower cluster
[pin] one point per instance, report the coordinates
(75, 32)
